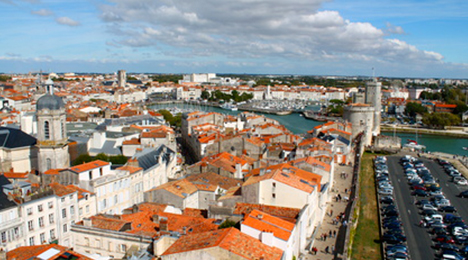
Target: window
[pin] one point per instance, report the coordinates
(115, 199)
(274, 184)
(39, 208)
(72, 210)
(65, 228)
(123, 248)
(51, 204)
(31, 241)
(42, 238)
(30, 225)
(51, 218)
(52, 234)
(62, 199)
(71, 197)
(64, 213)
(4, 237)
(86, 241)
(100, 171)
(46, 130)
(29, 210)
(80, 211)
(48, 164)
(41, 222)
(273, 195)
(90, 175)
(87, 208)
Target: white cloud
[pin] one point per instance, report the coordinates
(295, 29)
(43, 12)
(392, 29)
(67, 21)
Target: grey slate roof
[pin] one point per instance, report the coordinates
(15, 138)
(108, 148)
(51, 102)
(149, 157)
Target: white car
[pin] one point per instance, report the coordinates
(460, 181)
(429, 206)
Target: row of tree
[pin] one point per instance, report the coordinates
(173, 120)
(218, 96)
(434, 120)
(114, 159)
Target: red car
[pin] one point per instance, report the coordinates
(444, 239)
(418, 187)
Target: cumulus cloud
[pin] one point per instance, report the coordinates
(67, 21)
(43, 12)
(392, 29)
(296, 29)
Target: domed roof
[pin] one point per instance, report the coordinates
(51, 102)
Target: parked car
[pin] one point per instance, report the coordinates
(463, 194)
(419, 193)
(460, 181)
(448, 209)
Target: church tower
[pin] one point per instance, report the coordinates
(51, 131)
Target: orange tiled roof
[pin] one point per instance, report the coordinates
(80, 191)
(61, 190)
(88, 166)
(32, 252)
(289, 214)
(229, 239)
(130, 169)
(265, 222)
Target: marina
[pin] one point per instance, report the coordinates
(299, 125)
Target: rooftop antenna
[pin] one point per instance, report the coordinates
(373, 74)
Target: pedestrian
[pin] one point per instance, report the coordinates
(314, 250)
(331, 213)
(344, 223)
(325, 236)
(330, 233)
(334, 233)
(326, 249)
(333, 249)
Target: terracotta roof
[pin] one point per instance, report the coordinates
(229, 239)
(80, 191)
(287, 174)
(61, 190)
(130, 169)
(16, 175)
(88, 166)
(289, 214)
(265, 222)
(32, 252)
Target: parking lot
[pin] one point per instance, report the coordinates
(429, 181)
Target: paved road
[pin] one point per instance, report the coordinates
(418, 240)
(450, 189)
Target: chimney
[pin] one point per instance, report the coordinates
(259, 216)
(156, 219)
(133, 162)
(163, 225)
(262, 171)
(135, 208)
(87, 222)
(2, 254)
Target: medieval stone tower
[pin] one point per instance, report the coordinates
(374, 99)
(365, 118)
(51, 131)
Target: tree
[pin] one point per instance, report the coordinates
(441, 120)
(235, 95)
(413, 108)
(82, 158)
(227, 224)
(118, 159)
(102, 157)
(205, 94)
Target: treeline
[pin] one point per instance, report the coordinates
(167, 78)
(218, 96)
(114, 159)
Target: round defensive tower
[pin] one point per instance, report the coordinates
(374, 99)
(361, 116)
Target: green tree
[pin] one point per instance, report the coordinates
(118, 159)
(102, 157)
(205, 94)
(413, 108)
(441, 120)
(82, 158)
(235, 95)
(227, 224)
(4, 78)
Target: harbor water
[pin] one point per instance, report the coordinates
(299, 125)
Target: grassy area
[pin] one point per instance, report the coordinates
(365, 243)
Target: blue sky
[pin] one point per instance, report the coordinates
(399, 38)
